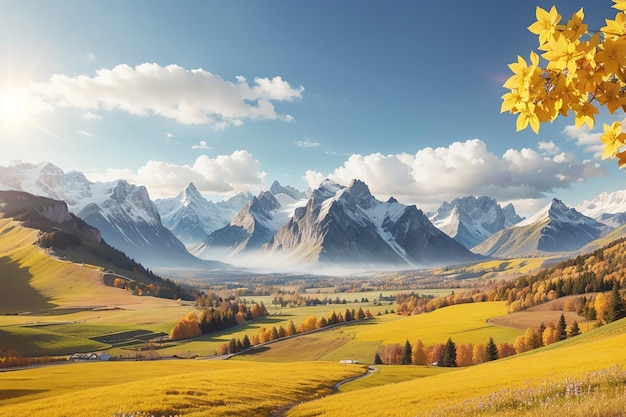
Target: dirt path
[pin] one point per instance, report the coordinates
(282, 410)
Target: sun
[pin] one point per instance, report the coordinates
(13, 107)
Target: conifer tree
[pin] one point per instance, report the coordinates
(449, 354)
(377, 359)
(574, 330)
(616, 309)
(562, 328)
(492, 350)
(407, 354)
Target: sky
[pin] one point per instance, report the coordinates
(233, 95)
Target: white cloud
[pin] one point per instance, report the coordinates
(225, 175)
(188, 96)
(201, 145)
(85, 133)
(307, 143)
(89, 116)
(548, 148)
(432, 176)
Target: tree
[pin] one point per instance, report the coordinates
(562, 327)
(419, 355)
(407, 354)
(479, 354)
(246, 341)
(582, 68)
(574, 330)
(550, 335)
(449, 354)
(492, 350)
(616, 309)
(377, 359)
(464, 354)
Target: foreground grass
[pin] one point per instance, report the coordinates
(190, 388)
(601, 393)
(571, 360)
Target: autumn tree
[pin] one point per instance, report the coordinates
(479, 354)
(492, 350)
(464, 354)
(505, 349)
(186, 327)
(419, 355)
(550, 334)
(583, 70)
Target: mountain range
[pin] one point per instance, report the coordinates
(555, 228)
(333, 225)
(470, 220)
(126, 217)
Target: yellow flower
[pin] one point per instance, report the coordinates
(527, 116)
(562, 54)
(619, 5)
(585, 112)
(613, 55)
(610, 94)
(546, 24)
(511, 101)
(615, 28)
(613, 139)
(521, 71)
(575, 27)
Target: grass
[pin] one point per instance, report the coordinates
(35, 341)
(392, 374)
(571, 360)
(464, 323)
(191, 388)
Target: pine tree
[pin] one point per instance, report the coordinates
(377, 359)
(562, 328)
(492, 350)
(574, 330)
(449, 354)
(616, 310)
(407, 354)
(246, 341)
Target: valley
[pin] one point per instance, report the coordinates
(86, 330)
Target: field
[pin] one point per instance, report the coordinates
(166, 388)
(598, 350)
(294, 376)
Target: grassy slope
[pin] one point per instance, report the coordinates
(189, 388)
(465, 323)
(598, 349)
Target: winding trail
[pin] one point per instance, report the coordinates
(282, 411)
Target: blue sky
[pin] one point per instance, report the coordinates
(233, 95)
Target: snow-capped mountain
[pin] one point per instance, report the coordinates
(126, 217)
(555, 228)
(347, 226)
(288, 190)
(192, 218)
(470, 220)
(253, 226)
(607, 208)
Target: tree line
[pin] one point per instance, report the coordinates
(229, 314)
(450, 354)
(310, 323)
